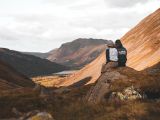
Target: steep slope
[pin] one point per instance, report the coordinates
(91, 72)
(29, 65)
(78, 52)
(10, 78)
(143, 42)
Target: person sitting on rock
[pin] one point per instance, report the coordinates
(111, 55)
(122, 53)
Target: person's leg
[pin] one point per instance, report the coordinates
(121, 64)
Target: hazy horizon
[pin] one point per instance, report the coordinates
(42, 25)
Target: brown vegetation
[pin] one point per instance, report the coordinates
(71, 106)
(10, 78)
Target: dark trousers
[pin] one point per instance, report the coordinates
(121, 64)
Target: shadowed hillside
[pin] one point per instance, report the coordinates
(10, 78)
(37, 54)
(29, 65)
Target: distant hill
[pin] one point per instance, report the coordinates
(10, 78)
(29, 65)
(75, 54)
(78, 53)
(38, 54)
(143, 42)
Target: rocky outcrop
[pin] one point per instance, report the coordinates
(129, 93)
(122, 83)
(109, 75)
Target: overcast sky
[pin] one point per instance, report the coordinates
(42, 25)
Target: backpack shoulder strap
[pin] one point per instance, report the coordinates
(107, 55)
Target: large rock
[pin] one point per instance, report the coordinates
(109, 75)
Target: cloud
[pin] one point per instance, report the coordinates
(61, 2)
(124, 3)
(42, 25)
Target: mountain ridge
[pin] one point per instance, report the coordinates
(29, 65)
(79, 52)
(75, 54)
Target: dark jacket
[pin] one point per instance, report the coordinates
(122, 56)
(122, 53)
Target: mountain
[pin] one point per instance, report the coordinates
(37, 54)
(29, 65)
(10, 78)
(78, 53)
(143, 42)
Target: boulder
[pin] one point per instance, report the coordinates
(129, 93)
(98, 92)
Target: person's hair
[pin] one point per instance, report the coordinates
(118, 43)
(110, 44)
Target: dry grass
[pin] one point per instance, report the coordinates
(48, 81)
(71, 106)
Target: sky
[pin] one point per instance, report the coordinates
(43, 25)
